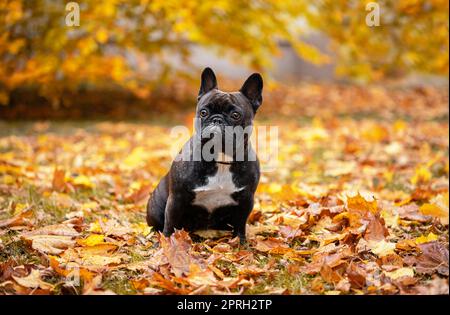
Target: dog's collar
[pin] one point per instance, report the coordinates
(226, 163)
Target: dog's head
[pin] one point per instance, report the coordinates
(217, 109)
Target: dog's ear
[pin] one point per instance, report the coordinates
(252, 89)
(209, 81)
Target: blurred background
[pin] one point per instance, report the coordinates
(138, 58)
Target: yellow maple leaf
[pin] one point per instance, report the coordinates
(359, 203)
(8, 179)
(421, 175)
(435, 211)
(375, 133)
(83, 180)
(96, 226)
(425, 239)
(136, 157)
(275, 188)
(92, 240)
(142, 228)
(19, 208)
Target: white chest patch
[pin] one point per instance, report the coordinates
(217, 191)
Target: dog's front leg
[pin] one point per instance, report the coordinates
(173, 214)
(239, 230)
(240, 222)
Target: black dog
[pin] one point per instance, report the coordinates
(202, 193)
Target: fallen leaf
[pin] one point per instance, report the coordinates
(51, 244)
(435, 211)
(426, 239)
(176, 249)
(92, 240)
(401, 272)
(434, 257)
(159, 280)
(381, 248)
(199, 277)
(33, 280)
(19, 219)
(376, 229)
(437, 286)
(62, 229)
(356, 276)
(412, 212)
(359, 203)
(58, 179)
(270, 243)
(83, 180)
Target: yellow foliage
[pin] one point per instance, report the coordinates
(435, 211)
(390, 49)
(421, 175)
(92, 240)
(56, 57)
(359, 203)
(425, 239)
(83, 180)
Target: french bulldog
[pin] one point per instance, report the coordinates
(213, 179)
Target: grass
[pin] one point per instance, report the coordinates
(294, 283)
(118, 282)
(18, 251)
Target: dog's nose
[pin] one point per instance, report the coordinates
(217, 120)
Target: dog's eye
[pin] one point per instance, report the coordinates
(235, 115)
(203, 113)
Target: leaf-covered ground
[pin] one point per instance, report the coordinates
(357, 205)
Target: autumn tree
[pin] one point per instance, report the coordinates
(116, 38)
(412, 36)
(128, 43)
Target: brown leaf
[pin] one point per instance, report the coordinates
(52, 239)
(158, 280)
(412, 212)
(140, 284)
(85, 274)
(19, 219)
(391, 261)
(51, 244)
(359, 204)
(376, 229)
(343, 286)
(269, 244)
(199, 277)
(356, 275)
(334, 258)
(62, 229)
(6, 270)
(176, 249)
(289, 232)
(140, 195)
(329, 275)
(434, 258)
(33, 280)
(58, 182)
